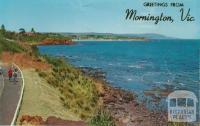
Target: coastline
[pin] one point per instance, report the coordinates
(110, 40)
(123, 105)
(54, 82)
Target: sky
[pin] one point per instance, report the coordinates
(102, 16)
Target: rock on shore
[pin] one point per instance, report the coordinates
(127, 111)
(122, 104)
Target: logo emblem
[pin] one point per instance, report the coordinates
(182, 106)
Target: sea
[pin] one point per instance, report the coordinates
(148, 68)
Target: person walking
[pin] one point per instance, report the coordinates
(10, 73)
(1, 70)
(15, 75)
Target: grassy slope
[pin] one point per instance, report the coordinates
(62, 91)
(79, 92)
(10, 46)
(42, 99)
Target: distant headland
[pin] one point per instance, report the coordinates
(92, 36)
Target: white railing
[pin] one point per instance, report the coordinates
(20, 98)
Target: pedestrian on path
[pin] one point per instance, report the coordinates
(10, 73)
(15, 75)
(1, 70)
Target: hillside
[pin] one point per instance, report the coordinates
(52, 86)
(111, 36)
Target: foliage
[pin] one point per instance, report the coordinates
(79, 92)
(179, 124)
(22, 30)
(35, 51)
(6, 45)
(56, 62)
(3, 29)
(32, 36)
(32, 30)
(102, 119)
(94, 36)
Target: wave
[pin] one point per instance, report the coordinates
(135, 66)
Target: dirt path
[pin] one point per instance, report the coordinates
(9, 98)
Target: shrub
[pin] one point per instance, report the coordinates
(180, 124)
(79, 92)
(10, 46)
(102, 119)
(42, 74)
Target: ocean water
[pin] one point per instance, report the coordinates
(138, 66)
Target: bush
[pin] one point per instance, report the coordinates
(79, 92)
(56, 62)
(35, 51)
(42, 74)
(180, 124)
(11, 46)
(102, 119)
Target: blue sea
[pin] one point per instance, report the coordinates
(157, 65)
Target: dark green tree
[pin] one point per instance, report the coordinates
(32, 30)
(22, 30)
(3, 29)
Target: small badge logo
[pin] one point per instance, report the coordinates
(182, 106)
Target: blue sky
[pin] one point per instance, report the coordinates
(107, 16)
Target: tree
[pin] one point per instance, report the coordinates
(3, 29)
(32, 30)
(22, 30)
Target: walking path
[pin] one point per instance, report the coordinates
(9, 97)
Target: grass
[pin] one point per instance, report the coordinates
(10, 46)
(79, 92)
(42, 99)
(180, 124)
(63, 91)
(102, 119)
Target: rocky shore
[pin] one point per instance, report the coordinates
(94, 73)
(123, 106)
